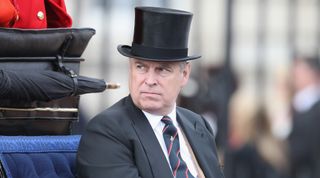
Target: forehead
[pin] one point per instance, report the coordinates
(153, 63)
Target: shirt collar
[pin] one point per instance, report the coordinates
(154, 120)
(306, 98)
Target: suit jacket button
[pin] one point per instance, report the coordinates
(40, 15)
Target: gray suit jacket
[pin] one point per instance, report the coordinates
(120, 143)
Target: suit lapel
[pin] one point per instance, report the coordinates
(149, 141)
(201, 143)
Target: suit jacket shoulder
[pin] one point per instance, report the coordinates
(194, 117)
(202, 141)
(119, 142)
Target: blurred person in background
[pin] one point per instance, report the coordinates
(304, 138)
(253, 152)
(211, 86)
(209, 93)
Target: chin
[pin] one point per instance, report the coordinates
(150, 108)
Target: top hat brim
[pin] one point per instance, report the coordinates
(127, 51)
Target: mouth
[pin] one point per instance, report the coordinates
(150, 93)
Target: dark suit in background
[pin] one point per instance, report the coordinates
(304, 143)
(304, 140)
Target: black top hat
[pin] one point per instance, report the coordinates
(160, 34)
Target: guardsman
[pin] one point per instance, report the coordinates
(35, 14)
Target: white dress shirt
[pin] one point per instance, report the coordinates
(306, 98)
(157, 126)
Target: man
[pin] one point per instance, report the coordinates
(304, 139)
(145, 134)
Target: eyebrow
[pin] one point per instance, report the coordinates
(159, 64)
(166, 65)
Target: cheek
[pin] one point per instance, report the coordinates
(135, 82)
(174, 87)
(132, 82)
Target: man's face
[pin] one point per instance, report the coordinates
(154, 86)
(303, 75)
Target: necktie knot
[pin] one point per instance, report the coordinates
(167, 120)
(169, 128)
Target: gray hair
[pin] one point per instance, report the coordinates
(182, 65)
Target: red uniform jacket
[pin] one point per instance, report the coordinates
(37, 14)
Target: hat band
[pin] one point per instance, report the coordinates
(160, 53)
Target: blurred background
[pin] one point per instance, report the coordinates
(243, 84)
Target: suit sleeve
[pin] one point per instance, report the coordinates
(105, 152)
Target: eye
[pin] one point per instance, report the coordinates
(164, 71)
(140, 68)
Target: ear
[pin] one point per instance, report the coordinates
(186, 73)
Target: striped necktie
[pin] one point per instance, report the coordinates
(170, 135)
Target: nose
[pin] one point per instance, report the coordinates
(151, 78)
